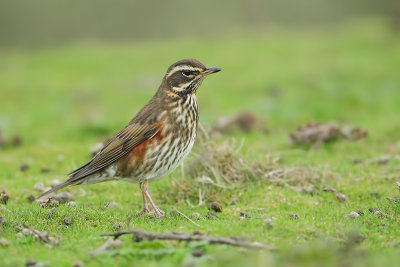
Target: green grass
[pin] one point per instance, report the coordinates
(62, 100)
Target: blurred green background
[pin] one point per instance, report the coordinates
(83, 58)
(41, 23)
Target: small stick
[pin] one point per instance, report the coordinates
(184, 216)
(139, 235)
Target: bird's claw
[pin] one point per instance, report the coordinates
(143, 211)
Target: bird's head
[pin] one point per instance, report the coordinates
(185, 76)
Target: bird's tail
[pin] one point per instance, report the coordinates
(54, 189)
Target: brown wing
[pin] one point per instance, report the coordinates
(121, 144)
(142, 127)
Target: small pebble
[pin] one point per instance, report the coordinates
(3, 221)
(51, 212)
(197, 253)
(293, 216)
(383, 160)
(78, 264)
(67, 220)
(398, 185)
(378, 213)
(360, 212)
(357, 161)
(196, 215)
(26, 232)
(19, 235)
(352, 215)
(54, 183)
(110, 205)
(372, 210)
(72, 204)
(244, 215)
(39, 187)
(341, 197)
(215, 207)
(394, 199)
(16, 140)
(24, 167)
(268, 223)
(211, 215)
(233, 202)
(117, 226)
(3, 199)
(64, 197)
(45, 170)
(4, 242)
(30, 263)
(30, 198)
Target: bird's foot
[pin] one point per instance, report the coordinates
(143, 211)
(159, 214)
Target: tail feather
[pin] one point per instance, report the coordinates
(54, 189)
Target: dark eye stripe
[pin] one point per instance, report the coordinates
(187, 73)
(190, 72)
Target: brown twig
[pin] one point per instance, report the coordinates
(139, 235)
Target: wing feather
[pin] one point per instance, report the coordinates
(121, 144)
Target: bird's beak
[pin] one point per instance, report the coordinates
(210, 71)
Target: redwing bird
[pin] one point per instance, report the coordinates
(155, 141)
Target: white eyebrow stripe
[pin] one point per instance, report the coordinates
(182, 67)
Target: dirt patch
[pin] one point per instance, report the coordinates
(13, 141)
(245, 121)
(3, 197)
(316, 134)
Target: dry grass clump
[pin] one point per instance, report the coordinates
(211, 170)
(299, 179)
(214, 170)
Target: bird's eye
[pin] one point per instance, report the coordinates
(187, 73)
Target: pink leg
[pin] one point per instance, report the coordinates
(156, 210)
(145, 194)
(145, 209)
